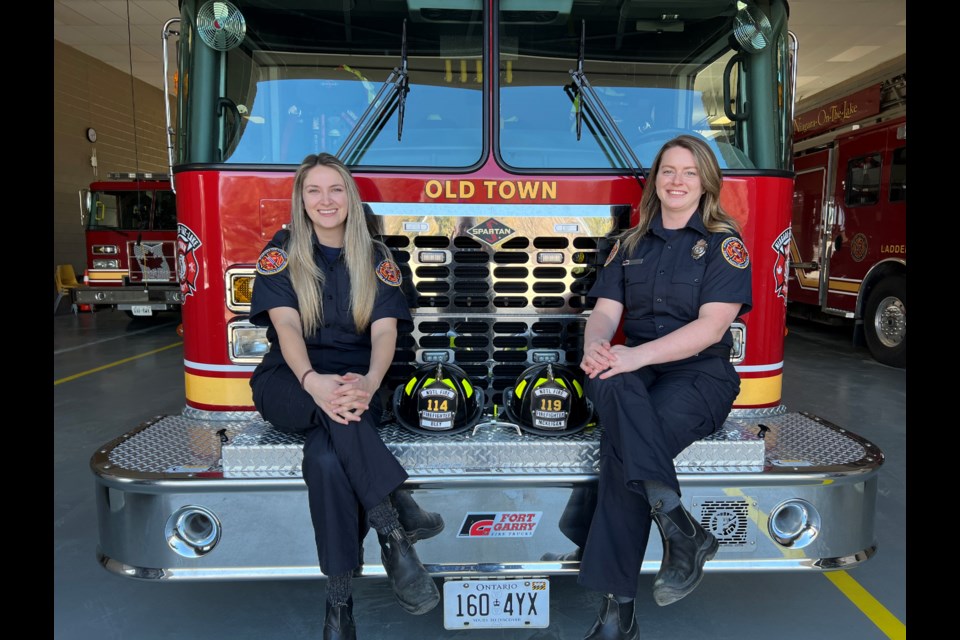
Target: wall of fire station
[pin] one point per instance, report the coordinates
(89, 93)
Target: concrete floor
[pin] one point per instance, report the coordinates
(142, 377)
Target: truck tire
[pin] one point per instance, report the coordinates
(885, 322)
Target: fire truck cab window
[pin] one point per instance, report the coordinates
(898, 176)
(653, 92)
(863, 181)
(120, 210)
(165, 211)
(293, 88)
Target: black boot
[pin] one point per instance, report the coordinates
(415, 589)
(339, 623)
(686, 547)
(615, 621)
(418, 524)
(569, 556)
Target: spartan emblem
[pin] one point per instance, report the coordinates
(491, 231)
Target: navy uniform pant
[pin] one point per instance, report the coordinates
(649, 416)
(347, 468)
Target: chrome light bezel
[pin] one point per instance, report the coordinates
(794, 523)
(240, 335)
(192, 531)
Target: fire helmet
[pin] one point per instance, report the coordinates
(438, 399)
(548, 399)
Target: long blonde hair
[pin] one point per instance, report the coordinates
(358, 251)
(714, 217)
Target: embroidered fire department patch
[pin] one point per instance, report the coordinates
(272, 261)
(613, 253)
(388, 273)
(735, 253)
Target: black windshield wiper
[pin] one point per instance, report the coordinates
(586, 99)
(378, 112)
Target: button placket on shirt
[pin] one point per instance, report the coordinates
(666, 263)
(659, 284)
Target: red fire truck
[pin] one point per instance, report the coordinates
(130, 224)
(498, 144)
(849, 251)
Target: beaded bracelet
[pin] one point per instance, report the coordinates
(304, 377)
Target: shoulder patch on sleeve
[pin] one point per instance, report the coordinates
(273, 260)
(735, 253)
(613, 253)
(389, 273)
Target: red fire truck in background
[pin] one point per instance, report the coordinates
(849, 250)
(498, 157)
(130, 224)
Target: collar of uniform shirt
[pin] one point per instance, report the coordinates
(327, 252)
(695, 222)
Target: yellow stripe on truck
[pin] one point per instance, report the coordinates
(228, 392)
(235, 392)
(759, 391)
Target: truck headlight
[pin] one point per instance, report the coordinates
(106, 264)
(794, 523)
(248, 343)
(104, 249)
(192, 531)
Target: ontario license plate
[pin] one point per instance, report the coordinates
(496, 604)
(141, 310)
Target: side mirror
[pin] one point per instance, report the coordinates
(86, 201)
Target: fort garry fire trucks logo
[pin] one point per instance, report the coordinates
(188, 265)
(491, 231)
(781, 246)
(505, 524)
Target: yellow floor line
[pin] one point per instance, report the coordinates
(113, 364)
(878, 614)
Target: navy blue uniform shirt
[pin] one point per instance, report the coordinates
(335, 347)
(670, 274)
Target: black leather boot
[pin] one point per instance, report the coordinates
(339, 624)
(615, 621)
(414, 588)
(686, 547)
(418, 524)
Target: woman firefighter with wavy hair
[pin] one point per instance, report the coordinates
(678, 279)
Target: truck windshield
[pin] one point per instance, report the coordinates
(658, 73)
(132, 210)
(297, 85)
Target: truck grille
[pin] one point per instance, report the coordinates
(152, 261)
(492, 351)
(494, 308)
(479, 278)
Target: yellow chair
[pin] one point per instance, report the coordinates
(65, 279)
